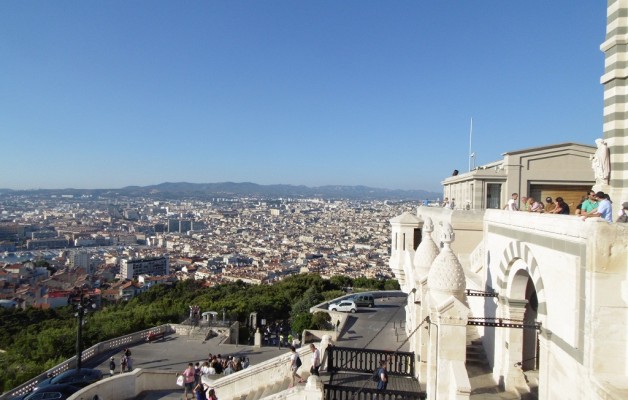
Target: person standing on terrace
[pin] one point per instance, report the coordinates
(295, 363)
(512, 203)
(188, 381)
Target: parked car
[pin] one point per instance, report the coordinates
(344, 306)
(364, 300)
(56, 392)
(79, 378)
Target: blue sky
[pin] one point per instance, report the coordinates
(378, 93)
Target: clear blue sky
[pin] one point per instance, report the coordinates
(106, 94)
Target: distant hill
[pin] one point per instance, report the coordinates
(177, 190)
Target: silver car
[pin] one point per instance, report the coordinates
(344, 306)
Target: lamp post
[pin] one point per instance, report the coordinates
(81, 301)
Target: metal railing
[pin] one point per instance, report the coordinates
(87, 354)
(367, 360)
(336, 392)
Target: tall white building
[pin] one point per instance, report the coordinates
(132, 268)
(79, 259)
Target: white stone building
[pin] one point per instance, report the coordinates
(547, 294)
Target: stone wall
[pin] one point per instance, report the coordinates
(578, 270)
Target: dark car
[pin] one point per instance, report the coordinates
(57, 392)
(79, 378)
(364, 300)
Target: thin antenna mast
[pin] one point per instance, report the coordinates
(471, 154)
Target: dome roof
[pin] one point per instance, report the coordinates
(426, 252)
(446, 276)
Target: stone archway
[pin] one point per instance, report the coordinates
(521, 286)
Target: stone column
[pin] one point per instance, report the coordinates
(258, 338)
(615, 109)
(545, 341)
(513, 375)
(422, 335)
(448, 346)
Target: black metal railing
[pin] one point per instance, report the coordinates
(336, 392)
(367, 360)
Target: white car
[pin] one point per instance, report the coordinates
(345, 306)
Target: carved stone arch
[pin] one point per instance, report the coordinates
(521, 285)
(518, 258)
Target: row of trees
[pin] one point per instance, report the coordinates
(35, 340)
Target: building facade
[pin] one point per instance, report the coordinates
(133, 268)
(556, 170)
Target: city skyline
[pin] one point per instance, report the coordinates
(322, 93)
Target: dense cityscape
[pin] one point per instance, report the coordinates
(119, 247)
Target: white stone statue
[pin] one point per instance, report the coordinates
(600, 162)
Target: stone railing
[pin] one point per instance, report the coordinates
(459, 384)
(267, 373)
(94, 351)
(129, 385)
(253, 378)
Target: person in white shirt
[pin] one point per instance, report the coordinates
(604, 208)
(316, 360)
(512, 203)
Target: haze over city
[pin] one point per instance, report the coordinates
(107, 95)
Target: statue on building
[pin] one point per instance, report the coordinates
(600, 162)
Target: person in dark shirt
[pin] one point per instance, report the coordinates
(561, 207)
(382, 383)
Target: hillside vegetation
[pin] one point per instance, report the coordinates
(35, 340)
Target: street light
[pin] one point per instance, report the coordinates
(81, 302)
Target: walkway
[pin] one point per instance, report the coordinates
(379, 328)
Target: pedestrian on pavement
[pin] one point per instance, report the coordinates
(123, 362)
(295, 363)
(200, 391)
(211, 395)
(316, 360)
(188, 381)
(382, 383)
(112, 366)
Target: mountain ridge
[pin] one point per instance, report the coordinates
(234, 189)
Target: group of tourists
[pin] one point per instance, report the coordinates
(126, 362)
(192, 384)
(295, 364)
(600, 205)
(594, 204)
(531, 204)
(216, 364)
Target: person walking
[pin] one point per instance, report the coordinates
(112, 366)
(316, 360)
(200, 390)
(188, 381)
(123, 362)
(295, 363)
(211, 395)
(382, 376)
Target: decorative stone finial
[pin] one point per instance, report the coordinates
(426, 252)
(447, 235)
(446, 276)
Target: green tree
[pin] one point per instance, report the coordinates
(321, 320)
(301, 322)
(391, 284)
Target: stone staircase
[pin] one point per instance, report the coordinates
(532, 379)
(198, 333)
(266, 391)
(475, 350)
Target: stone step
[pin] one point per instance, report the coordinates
(256, 394)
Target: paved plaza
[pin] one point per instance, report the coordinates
(377, 328)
